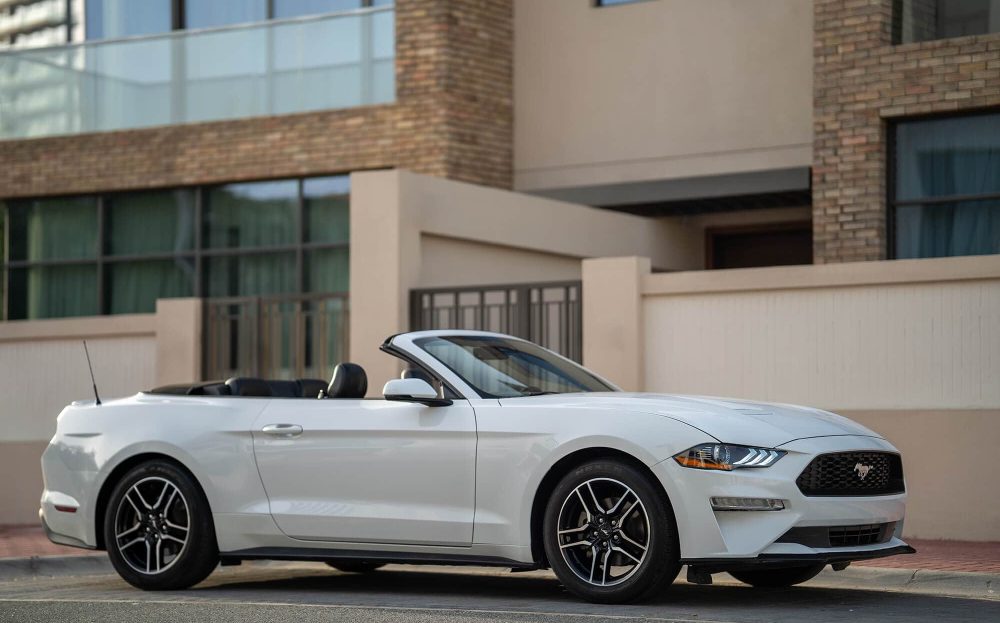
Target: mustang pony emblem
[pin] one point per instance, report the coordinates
(862, 470)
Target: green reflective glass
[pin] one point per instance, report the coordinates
(53, 229)
(52, 291)
(135, 286)
(327, 270)
(326, 201)
(259, 214)
(251, 275)
(150, 222)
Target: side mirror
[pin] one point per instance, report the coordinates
(413, 390)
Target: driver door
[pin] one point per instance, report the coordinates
(369, 471)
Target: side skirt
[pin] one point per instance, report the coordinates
(332, 555)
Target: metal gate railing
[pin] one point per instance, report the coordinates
(549, 314)
(277, 337)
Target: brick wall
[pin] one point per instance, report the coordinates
(862, 82)
(452, 118)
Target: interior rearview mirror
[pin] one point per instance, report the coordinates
(413, 390)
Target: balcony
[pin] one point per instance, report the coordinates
(273, 68)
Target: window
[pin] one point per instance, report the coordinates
(117, 254)
(747, 246)
(498, 367)
(114, 19)
(946, 190)
(924, 20)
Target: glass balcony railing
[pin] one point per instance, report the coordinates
(273, 68)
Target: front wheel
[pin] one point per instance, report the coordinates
(158, 528)
(609, 534)
(777, 578)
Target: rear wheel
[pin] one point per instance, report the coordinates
(777, 578)
(609, 534)
(158, 528)
(360, 566)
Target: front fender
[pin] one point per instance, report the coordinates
(519, 446)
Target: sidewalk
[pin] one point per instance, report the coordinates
(27, 541)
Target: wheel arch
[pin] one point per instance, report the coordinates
(564, 466)
(119, 471)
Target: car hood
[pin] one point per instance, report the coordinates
(728, 420)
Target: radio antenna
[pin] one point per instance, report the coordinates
(97, 399)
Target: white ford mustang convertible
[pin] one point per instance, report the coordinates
(489, 450)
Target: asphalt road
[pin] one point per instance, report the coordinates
(302, 593)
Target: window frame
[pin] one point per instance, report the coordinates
(892, 164)
(198, 254)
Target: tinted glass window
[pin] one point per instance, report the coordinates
(947, 174)
(53, 229)
(259, 214)
(113, 19)
(151, 222)
(505, 368)
(203, 14)
(924, 20)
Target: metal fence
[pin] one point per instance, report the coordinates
(277, 337)
(549, 314)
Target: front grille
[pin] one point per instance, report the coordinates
(853, 474)
(840, 536)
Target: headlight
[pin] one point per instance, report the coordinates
(727, 457)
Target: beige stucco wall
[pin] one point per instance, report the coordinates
(446, 262)
(880, 335)
(658, 90)
(44, 368)
(947, 466)
(414, 231)
(909, 348)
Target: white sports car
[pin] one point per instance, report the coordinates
(489, 450)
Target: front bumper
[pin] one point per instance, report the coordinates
(749, 538)
(716, 565)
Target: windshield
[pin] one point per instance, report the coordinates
(498, 367)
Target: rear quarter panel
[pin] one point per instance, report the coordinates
(209, 436)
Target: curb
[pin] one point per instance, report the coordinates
(917, 581)
(51, 566)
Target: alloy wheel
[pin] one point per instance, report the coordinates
(603, 531)
(152, 524)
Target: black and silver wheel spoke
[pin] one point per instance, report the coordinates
(603, 531)
(162, 527)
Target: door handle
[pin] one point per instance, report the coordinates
(282, 430)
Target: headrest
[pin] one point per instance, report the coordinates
(417, 373)
(310, 388)
(349, 381)
(248, 386)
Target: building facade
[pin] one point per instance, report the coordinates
(208, 189)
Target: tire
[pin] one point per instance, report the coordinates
(360, 566)
(618, 545)
(158, 528)
(778, 578)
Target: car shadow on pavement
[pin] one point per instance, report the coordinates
(539, 591)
